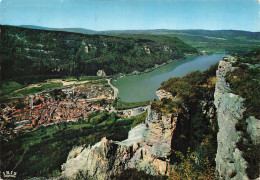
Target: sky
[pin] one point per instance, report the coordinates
(133, 14)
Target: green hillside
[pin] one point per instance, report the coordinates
(211, 41)
(31, 54)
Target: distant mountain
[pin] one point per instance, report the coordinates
(76, 30)
(38, 27)
(79, 30)
(206, 41)
(200, 32)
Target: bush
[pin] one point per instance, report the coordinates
(139, 119)
(244, 81)
(191, 169)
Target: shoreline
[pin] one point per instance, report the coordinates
(206, 61)
(115, 77)
(116, 91)
(121, 75)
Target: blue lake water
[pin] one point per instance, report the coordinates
(142, 87)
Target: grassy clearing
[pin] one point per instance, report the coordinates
(87, 78)
(39, 89)
(97, 82)
(8, 91)
(120, 105)
(8, 87)
(83, 78)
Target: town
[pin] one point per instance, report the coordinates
(65, 104)
(59, 105)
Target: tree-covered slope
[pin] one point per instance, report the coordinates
(215, 41)
(194, 139)
(210, 41)
(30, 53)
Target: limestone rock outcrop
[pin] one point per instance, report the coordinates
(230, 163)
(147, 149)
(101, 73)
(253, 128)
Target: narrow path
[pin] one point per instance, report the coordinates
(114, 88)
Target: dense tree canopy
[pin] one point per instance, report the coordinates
(28, 54)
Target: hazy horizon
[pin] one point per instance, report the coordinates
(31, 26)
(109, 15)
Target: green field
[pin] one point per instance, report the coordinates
(120, 105)
(11, 89)
(39, 89)
(8, 87)
(83, 78)
(13, 86)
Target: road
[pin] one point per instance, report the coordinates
(114, 88)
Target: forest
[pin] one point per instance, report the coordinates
(29, 55)
(209, 41)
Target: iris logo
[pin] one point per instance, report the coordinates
(8, 174)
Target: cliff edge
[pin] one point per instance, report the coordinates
(230, 161)
(146, 149)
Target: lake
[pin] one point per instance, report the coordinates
(136, 88)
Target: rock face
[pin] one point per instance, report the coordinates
(229, 161)
(253, 128)
(101, 73)
(159, 134)
(147, 148)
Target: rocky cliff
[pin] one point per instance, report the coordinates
(147, 149)
(230, 161)
(148, 146)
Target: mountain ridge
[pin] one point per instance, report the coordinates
(128, 30)
(34, 52)
(206, 41)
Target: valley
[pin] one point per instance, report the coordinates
(148, 105)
